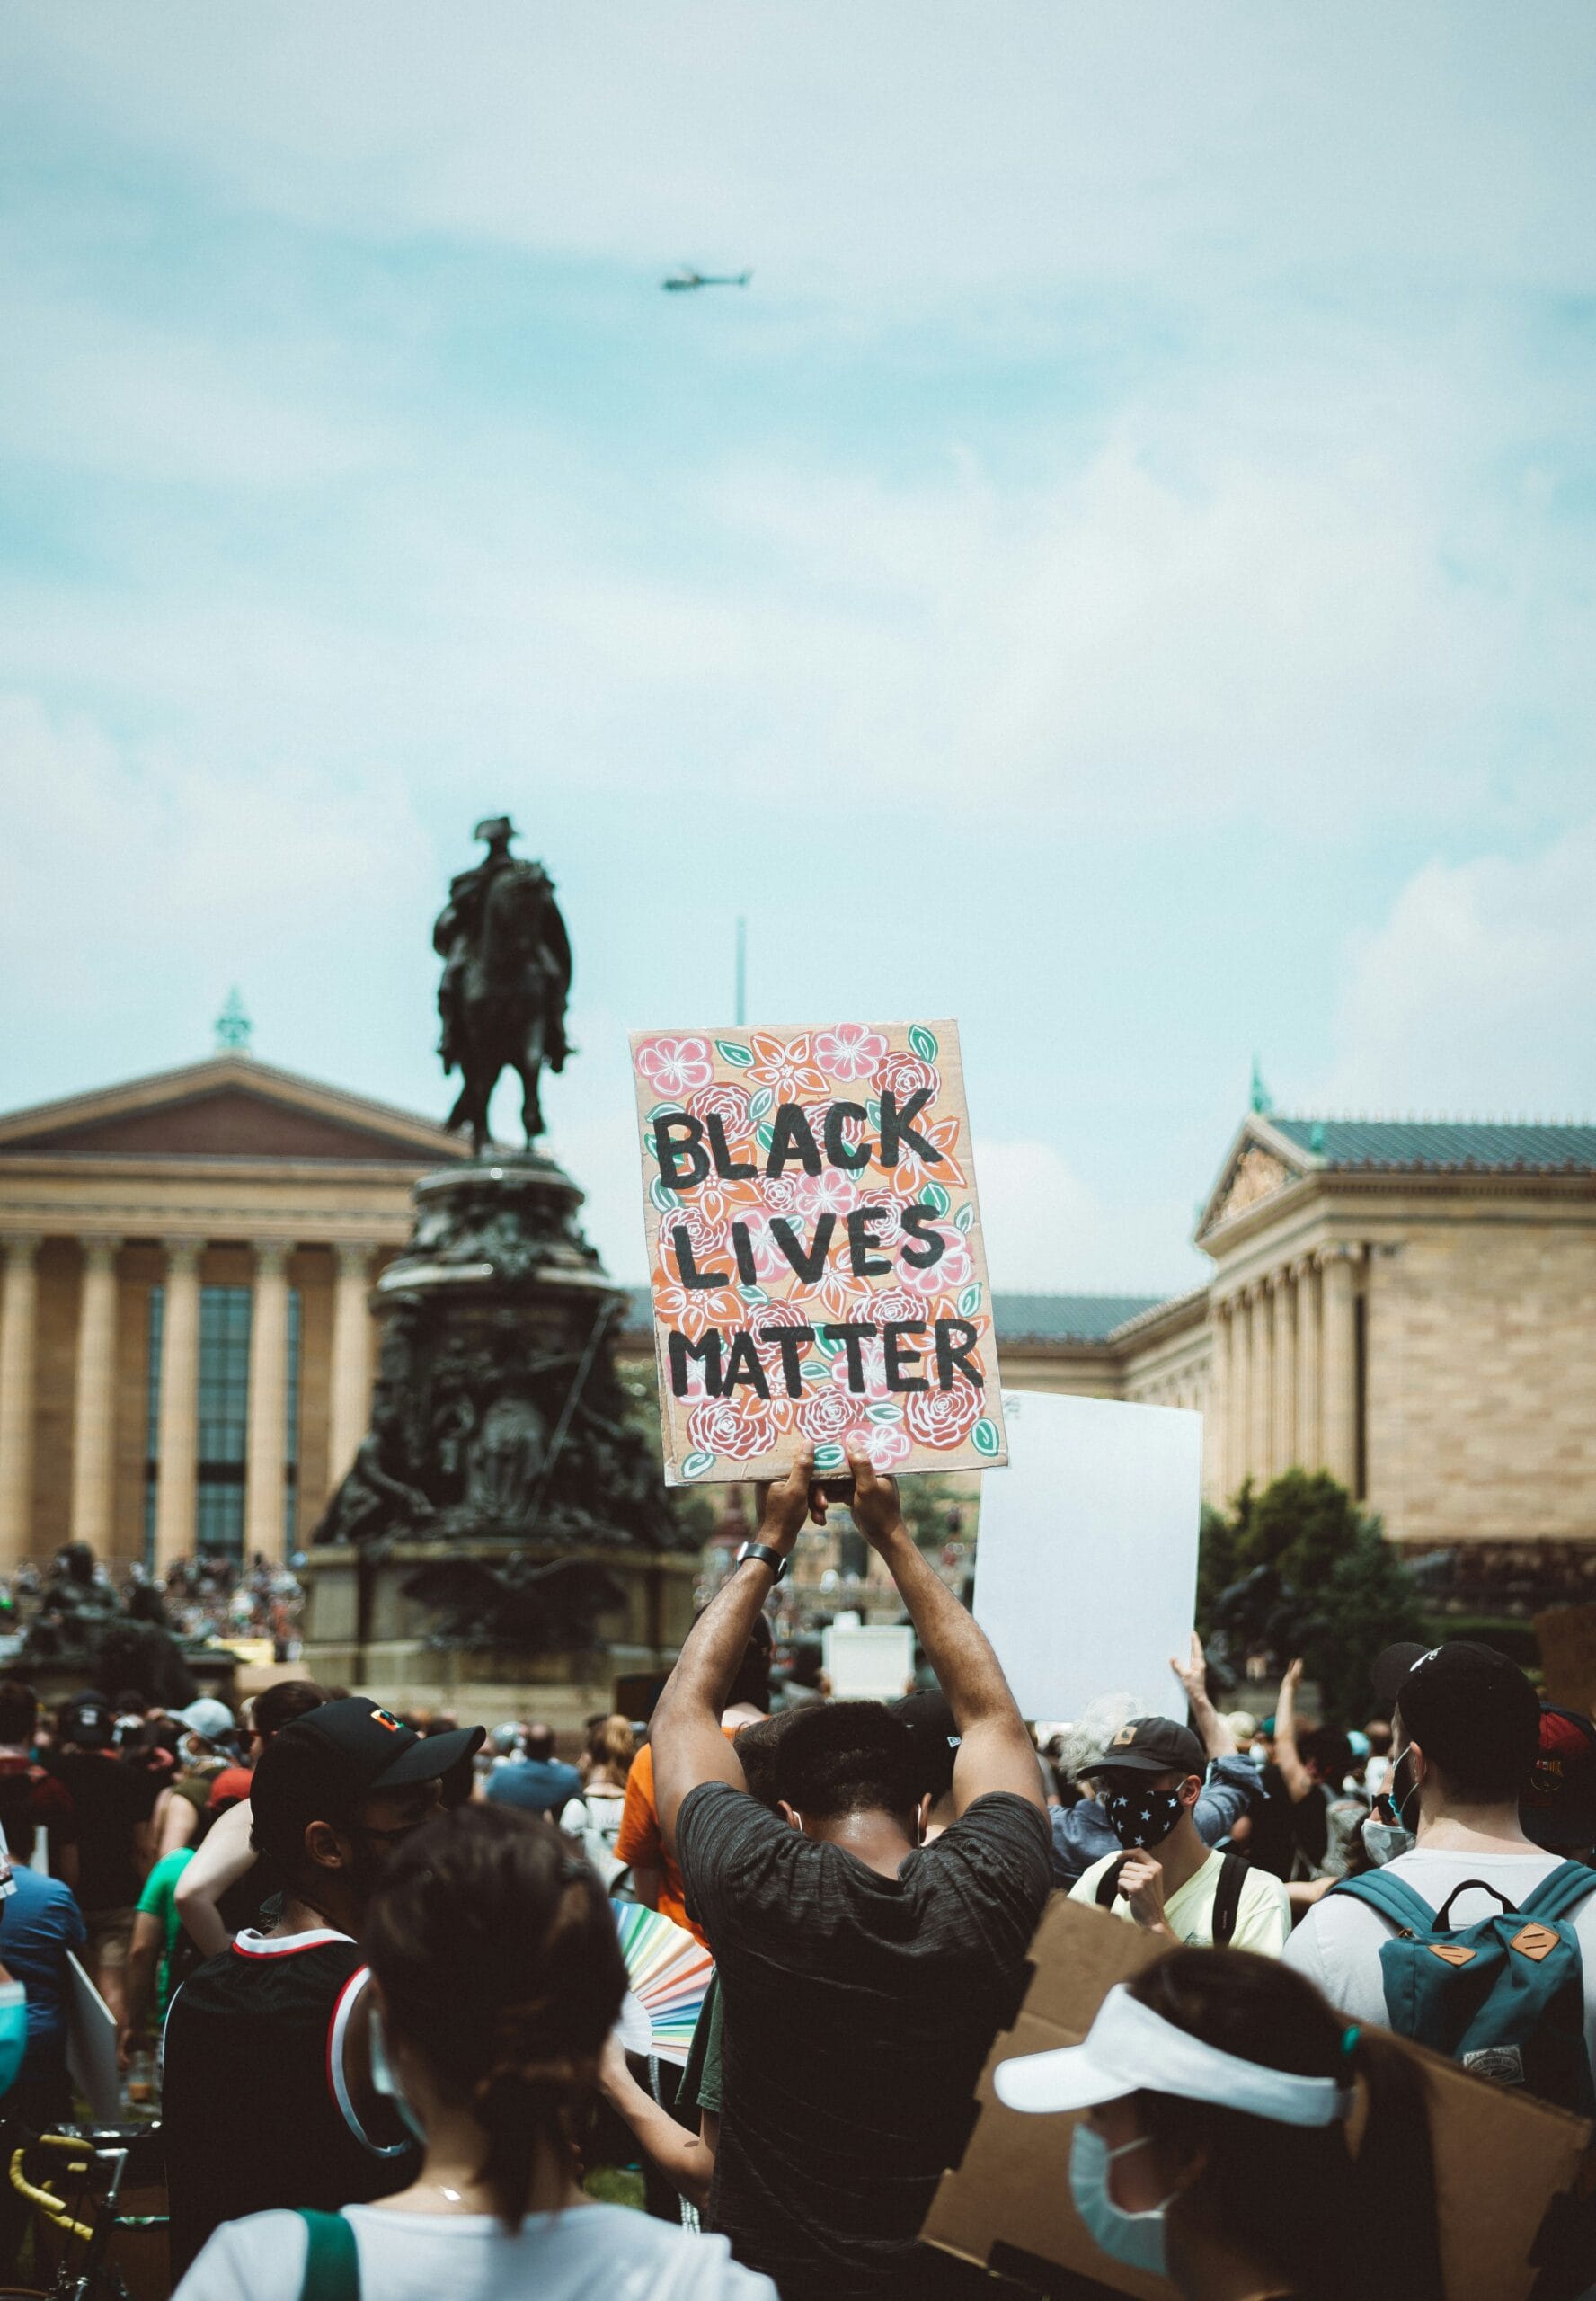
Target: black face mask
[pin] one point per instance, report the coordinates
(1142, 1817)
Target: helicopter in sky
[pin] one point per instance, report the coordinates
(687, 277)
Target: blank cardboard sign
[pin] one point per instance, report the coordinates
(1085, 1575)
(1509, 2171)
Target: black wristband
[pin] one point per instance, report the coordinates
(765, 1556)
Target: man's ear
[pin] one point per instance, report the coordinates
(1192, 1784)
(923, 1816)
(324, 1846)
(794, 1820)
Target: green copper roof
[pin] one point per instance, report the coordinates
(1445, 1146)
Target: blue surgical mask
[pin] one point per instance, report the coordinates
(384, 2082)
(13, 2032)
(1139, 2240)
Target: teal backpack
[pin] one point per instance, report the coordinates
(1504, 1997)
(332, 2264)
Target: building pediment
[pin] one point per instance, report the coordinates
(1260, 1164)
(230, 1107)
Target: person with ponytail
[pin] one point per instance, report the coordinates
(496, 1979)
(1219, 2089)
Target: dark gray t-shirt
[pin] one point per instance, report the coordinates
(858, 2012)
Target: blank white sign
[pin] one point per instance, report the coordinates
(867, 1661)
(1085, 1571)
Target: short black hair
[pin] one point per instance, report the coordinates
(1331, 1751)
(756, 1752)
(297, 1780)
(847, 1757)
(19, 1711)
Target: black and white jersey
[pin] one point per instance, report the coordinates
(256, 2109)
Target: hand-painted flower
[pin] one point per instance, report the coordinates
(769, 1260)
(954, 1269)
(885, 1443)
(673, 1067)
(726, 1427)
(828, 1415)
(694, 1311)
(708, 1243)
(872, 1367)
(778, 1194)
(912, 1171)
(840, 1296)
(727, 1103)
(944, 1418)
(905, 1075)
(831, 1192)
(849, 1050)
(720, 1203)
(787, 1066)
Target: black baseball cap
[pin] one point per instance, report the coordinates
(1390, 1667)
(369, 1750)
(1467, 1707)
(1151, 1745)
(929, 1718)
(87, 1722)
(1557, 1805)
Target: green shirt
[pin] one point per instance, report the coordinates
(701, 2079)
(159, 1900)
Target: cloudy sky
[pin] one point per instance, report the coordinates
(1122, 574)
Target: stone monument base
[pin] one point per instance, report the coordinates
(375, 1639)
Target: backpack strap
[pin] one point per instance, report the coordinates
(1233, 1877)
(331, 2263)
(1391, 1897)
(1108, 1885)
(1559, 1894)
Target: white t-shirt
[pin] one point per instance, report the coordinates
(1263, 1919)
(1338, 1942)
(589, 2252)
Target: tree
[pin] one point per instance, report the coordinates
(1301, 1569)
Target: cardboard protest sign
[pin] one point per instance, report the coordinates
(1567, 1639)
(91, 2045)
(815, 1250)
(1085, 1574)
(1505, 2163)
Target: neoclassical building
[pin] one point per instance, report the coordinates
(186, 1336)
(185, 1341)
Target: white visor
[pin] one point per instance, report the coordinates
(1132, 2050)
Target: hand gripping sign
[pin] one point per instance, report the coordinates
(815, 1250)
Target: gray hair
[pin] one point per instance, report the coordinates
(1085, 1743)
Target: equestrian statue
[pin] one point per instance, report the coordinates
(505, 983)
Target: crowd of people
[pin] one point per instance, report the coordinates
(380, 1954)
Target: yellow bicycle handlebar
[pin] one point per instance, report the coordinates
(48, 2203)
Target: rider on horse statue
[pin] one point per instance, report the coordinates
(506, 980)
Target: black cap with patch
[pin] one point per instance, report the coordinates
(371, 1750)
(1151, 1745)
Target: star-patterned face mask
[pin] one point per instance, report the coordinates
(1140, 1818)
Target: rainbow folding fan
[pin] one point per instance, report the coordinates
(669, 1972)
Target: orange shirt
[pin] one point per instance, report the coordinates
(641, 1844)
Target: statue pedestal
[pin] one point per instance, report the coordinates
(504, 1522)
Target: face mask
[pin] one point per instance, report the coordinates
(1141, 1817)
(13, 2032)
(1386, 1840)
(384, 2082)
(1136, 2239)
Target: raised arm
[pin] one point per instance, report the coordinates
(685, 1731)
(225, 1856)
(1295, 1776)
(996, 1752)
(1218, 1739)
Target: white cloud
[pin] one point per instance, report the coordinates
(1047, 1232)
(1476, 996)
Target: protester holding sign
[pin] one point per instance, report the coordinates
(1167, 1878)
(1217, 2153)
(862, 1979)
(815, 1250)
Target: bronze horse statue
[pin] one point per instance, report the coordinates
(506, 980)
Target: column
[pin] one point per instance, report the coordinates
(177, 1430)
(1339, 1394)
(1260, 1452)
(93, 1409)
(266, 1446)
(1239, 1432)
(19, 1320)
(1216, 1406)
(1310, 1452)
(350, 1373)
(1283, 1433)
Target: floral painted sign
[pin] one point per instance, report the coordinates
(815, 1250)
